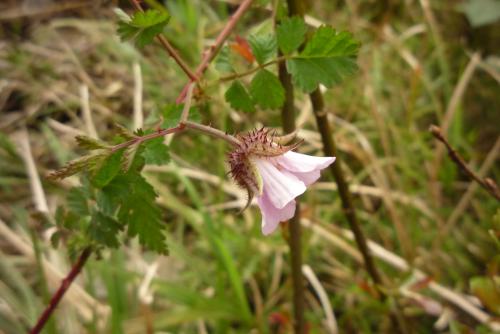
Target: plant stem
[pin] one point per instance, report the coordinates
(183, 124)
(253, 70)
(214, 49)
(330, 149)
(294, 225)
(65, 284)
(170, 49)
(487, 183)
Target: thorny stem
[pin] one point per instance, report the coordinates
(65, 284)
(170, 49)
(294, 226)
(183, 124)
(487, 183)
(214, 49)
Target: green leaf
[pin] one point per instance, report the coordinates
(107, 169)
(481, 12)
(156, 152)
(143, 26)
(88, 143)
(266, 90)
(327, 59)
(487, 291)
(291, 34)
(263, 47)
(171, 115)
(223, 61)
(137, 209)
(104, 230)
(238, 98)
(87, 162)
(77, 201)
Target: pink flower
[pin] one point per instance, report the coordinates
(274, 174)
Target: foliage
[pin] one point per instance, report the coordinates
(143, 27)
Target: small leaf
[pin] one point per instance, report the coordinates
(238, 98)
(266, 90)
(327, 59)
(107, 169)
(291, 34)
(263, 47)
(487, 291)
(90, 144)
(156, 152)
(77, 201)
(104, 230)
(143, 26)
(123, 132)
(137, 209)
(87, 162)
(223, 61)
(242, 48)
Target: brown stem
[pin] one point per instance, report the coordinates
(294, 226)
(65, 284)
(330, 149)
(169, 48)
(214, 49)
(487, 183)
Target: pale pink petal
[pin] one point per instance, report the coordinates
(271, 216)
(303, 163)
(308, 178)
(281, 186)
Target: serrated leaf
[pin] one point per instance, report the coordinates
(327, 59)
(137, 209)
(223, 61)
(88, 143)
(87, 162)
(77, 201)
(238, 98)
(143, 26)
(123, 132)
(291, 34)
(156, 152)
(263, 47)
(108, 168)
(104, 230)
(266, 90)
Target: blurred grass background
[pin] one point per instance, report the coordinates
(421, 62)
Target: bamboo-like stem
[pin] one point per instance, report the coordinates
(65, 284)
(169, 48)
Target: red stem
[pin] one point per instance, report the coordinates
(210, 54)
(65, 284)
(207, 58)
(170, 49)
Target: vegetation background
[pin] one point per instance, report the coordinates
(435, 233)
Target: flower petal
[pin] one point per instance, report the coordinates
(271, 216)
(303, 163)
(281, 186)
(309, 177)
